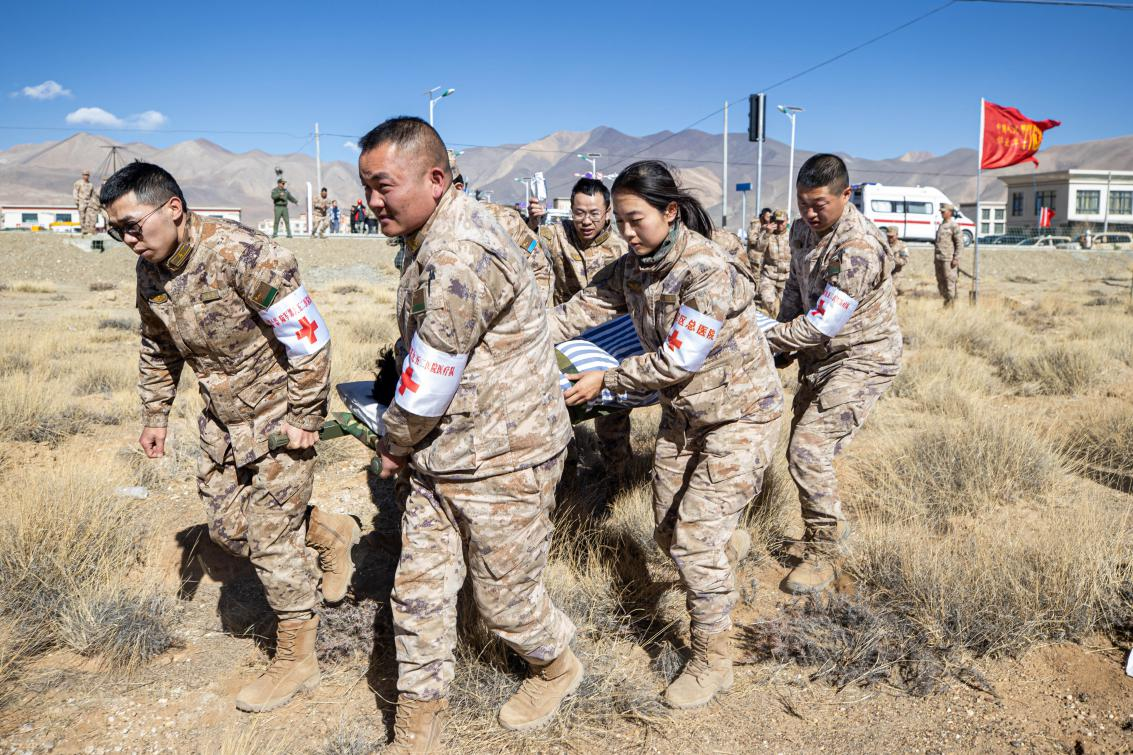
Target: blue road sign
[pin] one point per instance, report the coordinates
(743, 187)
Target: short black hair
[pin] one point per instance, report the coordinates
(765, 211)
(323, 189)
(412, 132)
(591, 187)
(824, 171)
(151, 184)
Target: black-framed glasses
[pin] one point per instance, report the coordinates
(581, 215)
(134, 228)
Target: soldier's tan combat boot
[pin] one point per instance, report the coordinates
(418, 726)
(814, 574)
(708, 671)
(333, 536)
(293, 669)
(739, 545)
(538, 698)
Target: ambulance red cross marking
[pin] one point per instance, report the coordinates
(674, 343)
(407, 382)
(820, 308)
(307, 330)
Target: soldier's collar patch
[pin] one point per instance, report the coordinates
(178, 259)
(263, 296)
(211, 295)
(418, 301)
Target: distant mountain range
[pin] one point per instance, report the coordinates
(212, 176)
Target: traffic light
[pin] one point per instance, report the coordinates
(756, 118)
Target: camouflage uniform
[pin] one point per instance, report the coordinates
(756, 243)
(774, 270)
(203, 306)
(840, 376)
(483, 467)
(320, 207)
(719, 417)
(900, 254)
(526, 239)
(728, 241)
(575, 264)
(86, 201)
(946, 248)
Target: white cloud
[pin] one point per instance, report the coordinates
(96, 116)
(351, 146)
(48, 90)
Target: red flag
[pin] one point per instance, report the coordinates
(1010, 137)
(1046, 215)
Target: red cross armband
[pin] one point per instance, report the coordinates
(691, 339)
(429, 379)
(832, 311)
(297, 323)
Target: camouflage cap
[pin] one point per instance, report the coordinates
(779, 215)
(890, 230)
(281, 180)
(947, 206)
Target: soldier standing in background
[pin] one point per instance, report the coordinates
(775, 267)
(756, 240)
(280, 196)
(946, 254)
(479, 425)
(900, 254)
(839, 314)
(229, 302)
(86, 202)
(692, 306)
(320, 207)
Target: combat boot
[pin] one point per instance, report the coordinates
(739, 545)
(293, 669)
(333, 536)
(538, 698)
(418, 726)
(708, 671)
(814, 574)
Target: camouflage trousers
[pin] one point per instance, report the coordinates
(88, 218)
(505, 524)
(771, 295)
(259, 512)
(946, 276)
(322, 223)
(701, 486)
(824, 422)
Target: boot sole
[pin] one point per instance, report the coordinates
(305, 687)
(725, 687)
(544, 720)
(355, 538)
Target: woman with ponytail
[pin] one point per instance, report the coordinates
(691, 304)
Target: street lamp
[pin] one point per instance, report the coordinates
(592, 158)
(434, 100)
(790, 111)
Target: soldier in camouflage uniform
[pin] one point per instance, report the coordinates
(229, 302)
(839, 315)
(580, 249)
(86, 202)
(478, 418)
(320, 207)
(776, 265)
(280, 196)
(757, 232)
(691, 304)
(946, 254)
(900, 254)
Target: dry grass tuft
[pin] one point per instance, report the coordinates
(103, 286)
(33, 287)
(1053, 369)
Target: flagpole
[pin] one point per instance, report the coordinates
(979, 210)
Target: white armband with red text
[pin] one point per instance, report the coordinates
(692, 337)
(832, 311)
(429, 379)
(297, 323)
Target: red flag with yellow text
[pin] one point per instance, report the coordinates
(1010, 137)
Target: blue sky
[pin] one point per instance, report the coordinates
(521, 71)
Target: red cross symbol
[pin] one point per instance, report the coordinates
(307, 330)
(407, 382)
(674, 343)
(820, 308)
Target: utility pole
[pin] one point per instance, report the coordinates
(724, 184)
(318, 160)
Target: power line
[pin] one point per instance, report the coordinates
(157, 131)
(1066, 3)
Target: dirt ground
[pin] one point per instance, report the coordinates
(1056, 698)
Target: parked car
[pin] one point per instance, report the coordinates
(1009, 239)
(1045, 242)
(1113, 240)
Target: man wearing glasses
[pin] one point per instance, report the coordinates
(580, 249)
(230, 302)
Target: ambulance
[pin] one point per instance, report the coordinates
(913, 210)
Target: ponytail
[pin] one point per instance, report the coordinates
(653, 181)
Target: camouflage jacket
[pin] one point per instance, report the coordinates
(900, 254)
(480, 364)
(696, 296)
(320, 206)
(525, 238)
(756, 243)
(83, 193)
(206, 305)
(728, 241)
(574, 262)
(853, 258)
(776, 265)
(949, 242)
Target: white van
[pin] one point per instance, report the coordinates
(914, 210)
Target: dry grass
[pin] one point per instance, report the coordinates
(102, 286)
(33, 287)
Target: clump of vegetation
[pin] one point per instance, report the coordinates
(103, 286)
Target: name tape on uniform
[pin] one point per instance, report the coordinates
(832, 311)
(297, 323)
(692, 337)
(429, 379)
